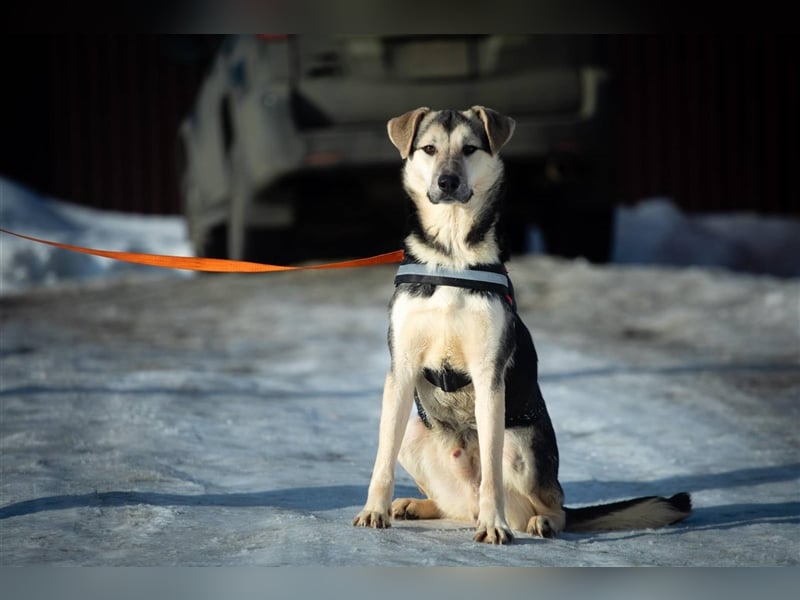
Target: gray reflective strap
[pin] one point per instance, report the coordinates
(466, 275)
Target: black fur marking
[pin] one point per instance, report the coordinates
(489, 217)
(524, 401)
(447, 379)
(390, 338)
(423, 416)
(681, 501)
(525, 405)
(494, 267)
(421, 290)
(450, 119)
(482, 227)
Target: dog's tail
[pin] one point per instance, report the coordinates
(639, 513)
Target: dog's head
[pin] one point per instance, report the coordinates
(450, 155)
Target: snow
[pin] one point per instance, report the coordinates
(154, 419)
(24, 265)
(655, 231)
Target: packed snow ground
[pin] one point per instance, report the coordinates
(232, 420)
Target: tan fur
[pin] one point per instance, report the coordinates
(415, 508)
(401, 129)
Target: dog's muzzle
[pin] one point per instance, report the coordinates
(449, 188)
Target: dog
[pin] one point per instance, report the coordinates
(480, 445)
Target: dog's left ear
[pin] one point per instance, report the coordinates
(403, 128)
(499, 128)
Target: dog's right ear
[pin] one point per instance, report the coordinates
(403, 128)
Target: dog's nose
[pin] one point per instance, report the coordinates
(448, 183)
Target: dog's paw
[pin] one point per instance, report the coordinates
(495, 534)
(414, 508)
(372, 518)
(541, 526)
(405, 508)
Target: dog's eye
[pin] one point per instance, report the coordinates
(429, 150)
(467, 150)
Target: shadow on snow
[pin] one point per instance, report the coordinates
(302, 498)
(343, 496)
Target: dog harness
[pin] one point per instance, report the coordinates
(484, 278)
(492, 278)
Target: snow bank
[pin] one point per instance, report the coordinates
(656, 232)
(24, 264)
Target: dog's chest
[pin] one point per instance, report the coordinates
(453, 328)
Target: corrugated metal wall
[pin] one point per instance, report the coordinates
(97, 116)
(711, 120)
(708, 120)
(117, 103)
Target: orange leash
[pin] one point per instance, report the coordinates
(213, 265)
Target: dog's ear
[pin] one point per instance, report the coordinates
(403, 128)
(499, 128)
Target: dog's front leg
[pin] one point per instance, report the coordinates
(490, 419)
(398, 395)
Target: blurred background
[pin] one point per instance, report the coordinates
(678, 149)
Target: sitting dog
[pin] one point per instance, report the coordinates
(481, 446)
